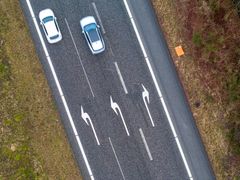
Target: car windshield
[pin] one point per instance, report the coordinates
(92, 32)
(47, 19)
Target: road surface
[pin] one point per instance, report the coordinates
(124, 111)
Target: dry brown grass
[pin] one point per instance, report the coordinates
(28, 93)
(207, 104)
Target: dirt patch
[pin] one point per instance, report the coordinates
(209, 70)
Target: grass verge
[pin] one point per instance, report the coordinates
(209, 70)
(33, 144)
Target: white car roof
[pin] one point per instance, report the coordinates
(51, 28)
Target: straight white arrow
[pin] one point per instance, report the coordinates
(86, 118)
(116, 107)
(145, 96)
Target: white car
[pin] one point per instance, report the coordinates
(92, 34)
(50, 26)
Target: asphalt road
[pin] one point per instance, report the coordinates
(140, 144)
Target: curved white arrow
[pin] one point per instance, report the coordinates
(116, 107)
(145, 96)
(87, 118)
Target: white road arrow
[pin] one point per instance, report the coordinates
(87, 118)
(145, 96)
(116, 107)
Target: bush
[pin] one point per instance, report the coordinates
(197, 39)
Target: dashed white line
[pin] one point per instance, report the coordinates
(145, 144)
(109, 46)
(114, 152)
(60, 90)
(121, 78)
(98, 16)
(157, 87)
(79, 57)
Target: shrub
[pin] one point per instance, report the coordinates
(233, 87)
(197, 39)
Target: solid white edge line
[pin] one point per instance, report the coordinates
(79, 57)
(157, 87)
(60, 90)
(145, 144)
(121, 78)
(98, 16)
(114, 152)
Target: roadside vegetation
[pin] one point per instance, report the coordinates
(209, 32)
(32, 140)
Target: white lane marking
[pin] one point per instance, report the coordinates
(98, 16)
(116, 108)
(60, 90)
(109, 45)
(145, 144)
(79, 57)
(157, 87)
(142, 46)
(145, 95)
(87, 118)
(114, 152)
(121, 78)
(176, 139)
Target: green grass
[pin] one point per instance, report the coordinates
(197, 39)
(233, 87)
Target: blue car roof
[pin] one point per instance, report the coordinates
(90, 27)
